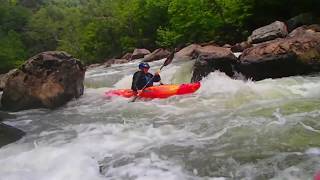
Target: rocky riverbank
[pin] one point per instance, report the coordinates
(277, 50)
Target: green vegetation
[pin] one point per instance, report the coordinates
(93, 30)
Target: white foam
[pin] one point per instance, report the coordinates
(69, 142)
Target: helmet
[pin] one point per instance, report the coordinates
(144, 65)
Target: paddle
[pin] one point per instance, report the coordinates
(166, 62)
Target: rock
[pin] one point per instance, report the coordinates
(305, 29)
(187, 52)
(49, 80)
(210, 43)
(227, 46)
(139, 53)
(300, 20)
(212, 58)
(239, 47)
(127, 56)
(294, 55)
(9, 134)
(93, 66)
(272, 31)
(120, 61)
(4, 78)
(156, 55)
(109, 62)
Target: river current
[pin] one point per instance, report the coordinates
(228, 129)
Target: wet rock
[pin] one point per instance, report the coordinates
(227, 46)
(127, 56)
(91, 66)
(156, 55)
(212, 58)
(49, 80)
(272, 31)
(120, 61)
(9, 134)
(109, 62)
(187, 52)
(139, 53)
(294, 55)
(239, 47)
(305, 29)
(4, 78)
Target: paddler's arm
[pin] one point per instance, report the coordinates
(156, 77)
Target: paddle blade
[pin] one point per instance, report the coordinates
(134, 99)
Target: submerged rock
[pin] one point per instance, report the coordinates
(5, 115)
(295, 55)
(9, 134)
(48, 80)
(211, 58)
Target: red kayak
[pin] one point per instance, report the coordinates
(162, 91)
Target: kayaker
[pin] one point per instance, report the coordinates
(143, 78)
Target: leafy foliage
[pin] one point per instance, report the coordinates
(94, 30)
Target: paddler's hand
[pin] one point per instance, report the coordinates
(157, 73)
(135, 93)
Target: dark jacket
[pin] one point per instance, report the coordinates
(140, 79)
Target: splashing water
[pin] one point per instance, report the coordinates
(228, 129)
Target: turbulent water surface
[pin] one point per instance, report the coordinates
(228, 129)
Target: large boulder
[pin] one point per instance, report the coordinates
(187, 52)
(272, 31)
(139, 53)
(47, 80)
(156, 55)
(212, 58)
(295, 55)
(303, 29)
(4, 79)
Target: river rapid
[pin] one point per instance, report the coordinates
(228, 129)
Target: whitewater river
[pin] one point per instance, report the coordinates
(229, 129)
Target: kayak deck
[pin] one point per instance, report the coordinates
(162, 91)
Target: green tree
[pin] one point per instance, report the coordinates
(13, 19)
